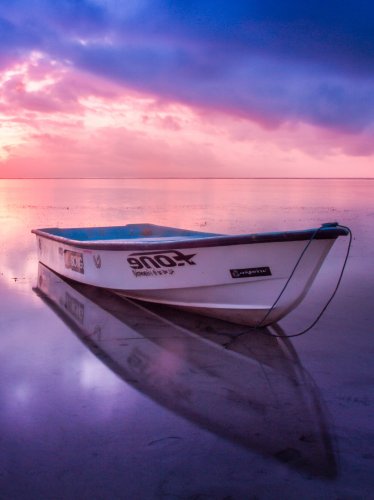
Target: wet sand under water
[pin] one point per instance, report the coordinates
(102, 397)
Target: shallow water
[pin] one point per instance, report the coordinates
(102, 398)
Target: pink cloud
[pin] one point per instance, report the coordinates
(56, 121)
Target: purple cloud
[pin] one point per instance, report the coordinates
(267, 61)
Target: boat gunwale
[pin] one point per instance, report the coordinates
(324, 232)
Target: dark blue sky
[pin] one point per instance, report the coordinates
(273, 61)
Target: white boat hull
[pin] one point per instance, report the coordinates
(235, 282)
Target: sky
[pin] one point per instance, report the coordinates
(197, 88)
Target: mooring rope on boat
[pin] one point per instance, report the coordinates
(259, 325)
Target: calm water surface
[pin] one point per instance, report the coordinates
(103, 398)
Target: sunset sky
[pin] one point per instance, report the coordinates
(210, 88)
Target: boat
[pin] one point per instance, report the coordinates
(250, 279)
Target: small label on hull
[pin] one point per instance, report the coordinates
(74, 261)
(250, 272)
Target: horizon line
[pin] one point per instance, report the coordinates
(186, 178)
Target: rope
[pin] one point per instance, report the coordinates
(259, 325)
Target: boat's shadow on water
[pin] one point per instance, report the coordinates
(239, 383)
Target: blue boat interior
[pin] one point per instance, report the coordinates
(128, 232)
(141, 236)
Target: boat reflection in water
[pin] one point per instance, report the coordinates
(242, 385)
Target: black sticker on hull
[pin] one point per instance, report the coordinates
(74, 261)
(158, 263)
(250, 272)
